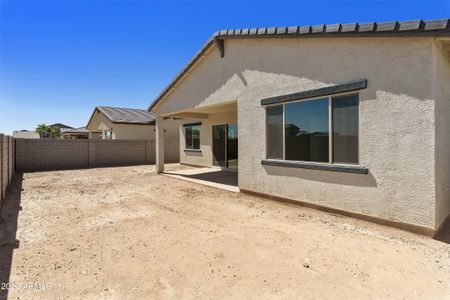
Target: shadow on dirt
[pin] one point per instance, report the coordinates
(9, 216)
(444, 233)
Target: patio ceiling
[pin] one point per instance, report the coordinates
(203, 112)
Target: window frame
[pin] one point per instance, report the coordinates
(330, 127)
(191, 126)
(108, 134)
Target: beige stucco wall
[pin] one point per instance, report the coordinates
(129, 131)
(442, 113)
(205, 157)
(397, 117)
(133, 131)
(99, 123)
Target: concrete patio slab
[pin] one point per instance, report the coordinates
(213, 177)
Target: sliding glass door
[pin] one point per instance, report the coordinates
(225, 145)
(219, 145)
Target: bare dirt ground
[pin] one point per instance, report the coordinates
(127, 233)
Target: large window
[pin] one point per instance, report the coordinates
(300, 131)
(192, 137)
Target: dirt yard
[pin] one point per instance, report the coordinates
(127, 233)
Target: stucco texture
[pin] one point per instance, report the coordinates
(397, 118)
(442, 113)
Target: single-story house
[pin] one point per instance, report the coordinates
(128, 124)
(80, 133)
(25, 134)
(350, 118)
(61, 126)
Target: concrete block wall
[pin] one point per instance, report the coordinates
(6, 163)
(150, 155)
(116, 152)
(51, 154)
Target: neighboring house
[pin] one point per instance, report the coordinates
(62, 127)
(80, 133)
(25, 134)
(352, 118)
(127, 124)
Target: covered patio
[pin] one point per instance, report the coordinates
(208, 139)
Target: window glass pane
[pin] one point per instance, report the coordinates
(274, 129)
(232, 146)
(345, 129)
(306, 130)
(195, 137)
(188, 137)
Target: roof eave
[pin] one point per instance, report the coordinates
(92, 116)
(192, 62)
(135, 123)
(418, 28)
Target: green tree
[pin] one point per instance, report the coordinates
(42, 130)
(45, 131)
(54, 131)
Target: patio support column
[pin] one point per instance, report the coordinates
(159, 145)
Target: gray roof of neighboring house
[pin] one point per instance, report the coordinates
(60, 126)
(126, 115)
(371, 29)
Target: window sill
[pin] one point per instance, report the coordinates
(315, 166)
(193, 150)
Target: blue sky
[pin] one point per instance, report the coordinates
(61, 58)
